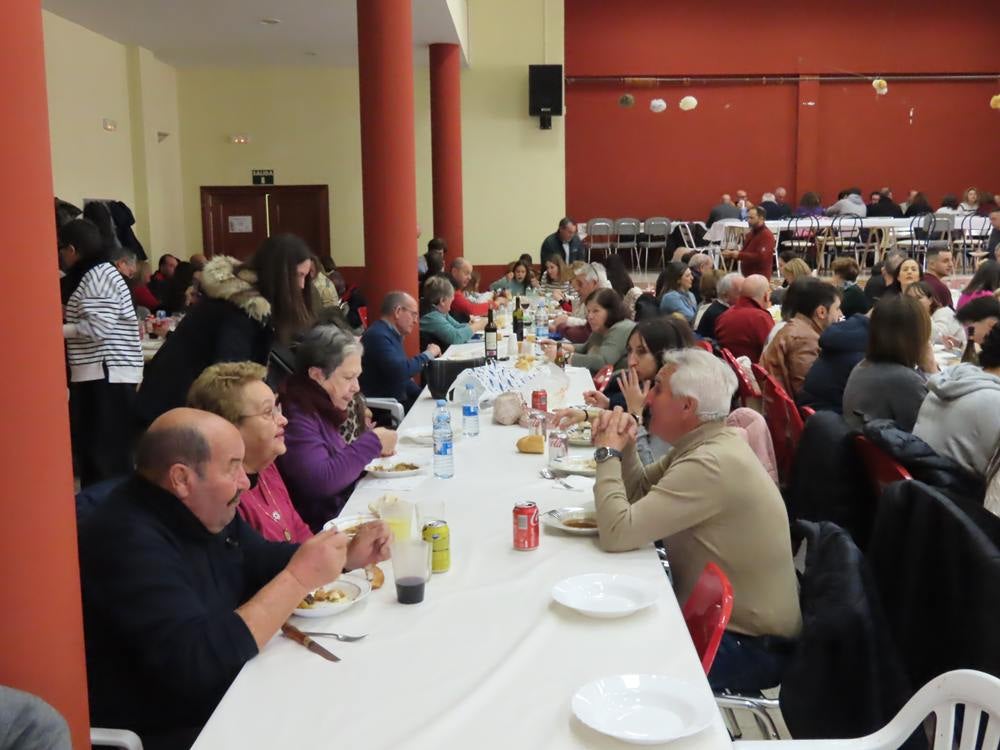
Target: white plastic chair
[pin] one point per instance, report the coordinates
(119, 738)
(978, 692)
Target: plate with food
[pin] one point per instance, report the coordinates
(394, 467)
(585, 466)
(334, 598)
(349, 524)
(577, 520)
(580, 435)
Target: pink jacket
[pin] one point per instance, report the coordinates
(754, 430)
(269, 510)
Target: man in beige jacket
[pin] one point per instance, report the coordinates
(709, 500)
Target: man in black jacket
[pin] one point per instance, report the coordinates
(565, 242)
(178, 591)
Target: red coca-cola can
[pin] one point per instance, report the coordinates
(525, 525)
(540, 400)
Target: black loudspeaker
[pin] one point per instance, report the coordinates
(545, 92)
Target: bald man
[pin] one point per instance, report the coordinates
(462, 308)
(178, 591)
(743, 329)
(726, 209)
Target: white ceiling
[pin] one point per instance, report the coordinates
(229, 32)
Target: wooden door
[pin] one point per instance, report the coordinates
(237, 219)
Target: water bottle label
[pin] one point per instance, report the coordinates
(470, 410)
(443, 448)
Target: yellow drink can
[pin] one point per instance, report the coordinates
(437, 533)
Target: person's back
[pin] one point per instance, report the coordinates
(883, 390)
(851, 204)
(743, 329)
(842, 347)
(792, 352)
(960, 416)
(723, 211)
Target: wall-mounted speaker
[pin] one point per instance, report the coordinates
(545, 93)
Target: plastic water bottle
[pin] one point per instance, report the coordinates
(541, 323)
(470, 411)
(444, 457)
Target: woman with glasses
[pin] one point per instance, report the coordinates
(236, 391)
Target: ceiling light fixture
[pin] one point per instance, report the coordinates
(270, 21)
(240, 140)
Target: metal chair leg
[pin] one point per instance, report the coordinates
(732, 725)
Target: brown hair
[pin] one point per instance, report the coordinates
(919, 289)
(611, 301)
(219, 388)
(900, 329)
(846, 268)
(275, 262)
(708, 287)
(565, 272)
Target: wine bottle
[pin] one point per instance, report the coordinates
(490, 334)
(518, 320)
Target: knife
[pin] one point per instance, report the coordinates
(292, 632)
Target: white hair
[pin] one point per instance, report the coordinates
(767, 197)
(704, 378)
(594, 272)
(725, 284)
(698, 258)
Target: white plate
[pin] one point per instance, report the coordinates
(385, 463)
(576, 465)
(605, 595)
(349, 524)
(425, 435)
(643, 709)
(557, 518)
(355, 587)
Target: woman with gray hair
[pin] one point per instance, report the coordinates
(437, 323)
(319, 467)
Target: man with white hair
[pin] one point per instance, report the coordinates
(773, 209)
(744, 328)
(711, 501)
(781, 198)
(728, 291)
(587, 279)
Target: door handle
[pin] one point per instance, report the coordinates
(267, 214)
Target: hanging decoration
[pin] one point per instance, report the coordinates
(881, 86)
(995, 102)
(626, 101)
(657, 105)
(687, 103)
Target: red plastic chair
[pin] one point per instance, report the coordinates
(707, 612)
(603, 377)
(806, 412)
(882, 468)
(705, 344)
(746, 389)
(363, 314)
(783, 420)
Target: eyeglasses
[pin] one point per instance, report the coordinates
(273, 413)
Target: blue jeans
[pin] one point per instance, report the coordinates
(747, 664)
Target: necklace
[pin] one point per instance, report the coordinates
(273, 506)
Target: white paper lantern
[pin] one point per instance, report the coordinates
(881, 86)
(657, 105)
(995, 102)
(688, 103)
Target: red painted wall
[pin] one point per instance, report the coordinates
(631, 162)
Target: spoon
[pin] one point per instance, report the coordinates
(547, 474)
(340, 637)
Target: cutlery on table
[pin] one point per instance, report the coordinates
(338, 636)
(292, 632)
(547, 474)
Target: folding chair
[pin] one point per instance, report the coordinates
(783, 420)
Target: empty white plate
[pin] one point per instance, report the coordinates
(604, 595)
(644, 709)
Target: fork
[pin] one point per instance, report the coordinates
(339, 636)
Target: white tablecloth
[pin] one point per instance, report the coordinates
(717, 232)
(488, 660)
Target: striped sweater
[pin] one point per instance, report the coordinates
(101, 329)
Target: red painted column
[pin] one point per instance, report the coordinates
(807, 139)
(446, 144)
(42, 625)
(388, 161)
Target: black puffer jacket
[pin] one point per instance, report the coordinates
(845, 678)
(231, 323)
(923, 463)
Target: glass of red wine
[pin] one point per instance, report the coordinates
(411, 569)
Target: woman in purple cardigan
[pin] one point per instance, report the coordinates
(319, 467)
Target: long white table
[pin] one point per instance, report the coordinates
(717, 232)
(488, 660)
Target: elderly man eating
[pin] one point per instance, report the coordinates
(178, 591)
(709, 500)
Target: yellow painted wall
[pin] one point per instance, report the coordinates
(87, 81)
(513, 173)
(304, 124)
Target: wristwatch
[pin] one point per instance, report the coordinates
(602, 454)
